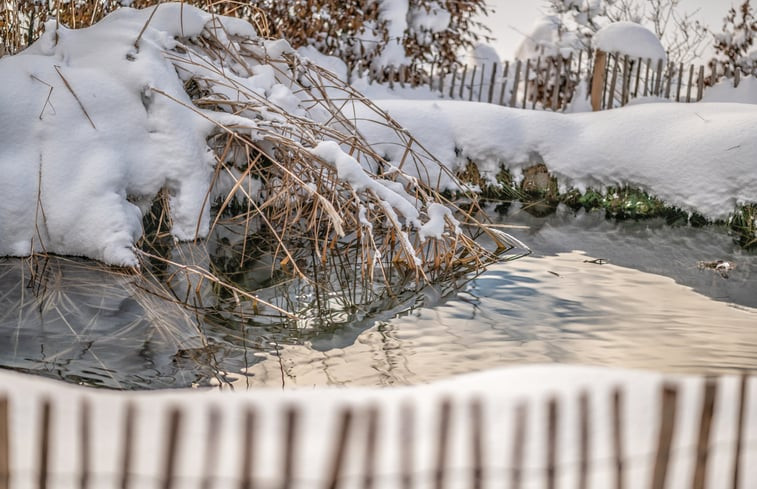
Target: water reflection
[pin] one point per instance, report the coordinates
(649, 307)
(558, 308)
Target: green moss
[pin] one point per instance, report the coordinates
(743, 225)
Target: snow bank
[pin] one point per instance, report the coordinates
(699, 157)
(724, 91)
(90, 136)
(629, 38)
(500, 393)
(83, 128)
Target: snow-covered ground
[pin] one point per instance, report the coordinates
(84, 129)
(700, 157)
(500, 393)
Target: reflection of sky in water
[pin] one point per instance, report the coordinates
(93, 327)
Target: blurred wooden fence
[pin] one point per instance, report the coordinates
(357, 432)
(552, 83)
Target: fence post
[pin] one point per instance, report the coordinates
(665, 437)
(525, 82)
(505, 73)
(611, 92)
(598, 80)
(492, 82)
(705, 426)
(700, 83)
(514, 95)
(472, 82)
(452, 83)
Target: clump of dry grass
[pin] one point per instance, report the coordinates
(288, 234)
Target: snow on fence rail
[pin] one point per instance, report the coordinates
(458, 429)
(552, 83)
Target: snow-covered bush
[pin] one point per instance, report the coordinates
(365, 34)
(194, 123)
(571, 25)
(734, 45)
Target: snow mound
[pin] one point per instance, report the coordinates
(629, 38)
(724, 91)
(698, 157)
(177, 99)
(83, 128)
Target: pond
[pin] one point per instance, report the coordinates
(594, 291)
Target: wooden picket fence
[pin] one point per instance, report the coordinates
(551, 83)
(357, 432)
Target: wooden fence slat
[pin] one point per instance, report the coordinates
(371, 440)
(492, 82)
(440, 468)
(472, 82)
(519, 443)
(537, 72)
(705, 425)
(171, 448)
(5, 447)
(583, 441)
(525, 83)
(556, 86)
(84, 445)
(736, 77)
(128, 443)
(691, 81)
(611, 91)
(671, 73)
(514, 94)
(638, 77)
(646, 77)
(551, 444)
(291, 424)
(44, 445)
(452, 83)
(477, 444)
(247, 450)
(340, 449)
(407, 445)
(505, 72)
(617, 437)
(680, 80)
(626, 82)
(211, 447)
(431, 79)
(700, 83)
(665, 438)
(658, 80)
(598, 80)
(739, 444)
(462, 81)
(481, 82)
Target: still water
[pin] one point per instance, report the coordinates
(594, 291)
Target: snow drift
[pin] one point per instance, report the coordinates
(699, 157)
(178, 100)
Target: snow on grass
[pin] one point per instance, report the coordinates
(699, 157)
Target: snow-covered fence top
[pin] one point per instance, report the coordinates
(539, 426)
(565, 84)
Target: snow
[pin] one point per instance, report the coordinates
(87, 130)
(699, 157)
(500, 392)
(90, 136)
(629, 38)
(724, 91)
(482, 54)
